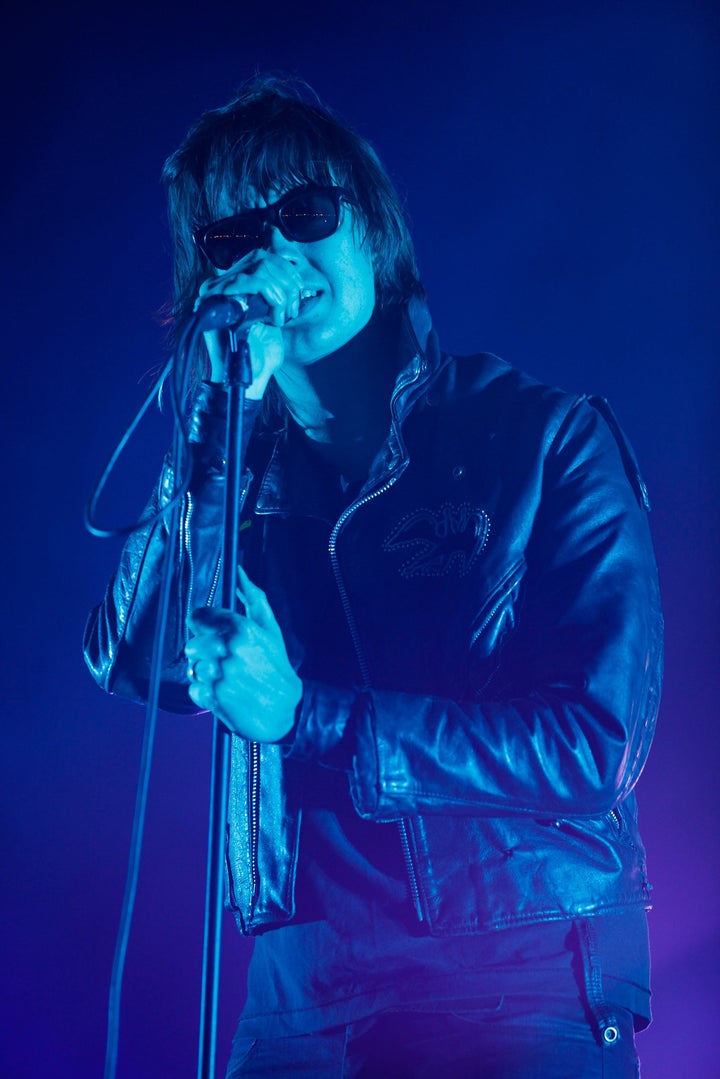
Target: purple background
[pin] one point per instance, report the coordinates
(560, 168)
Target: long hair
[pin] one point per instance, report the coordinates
(268, 139)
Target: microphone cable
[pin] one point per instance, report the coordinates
(221, 312)
(178, 368)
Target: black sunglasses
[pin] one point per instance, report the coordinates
(304, 214)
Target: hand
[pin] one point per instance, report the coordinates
(240, 667)
(277, 280)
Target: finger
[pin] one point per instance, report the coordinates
(206, 669)
(266, 348)
(213, 620)
(257, 606)
(264, 273)
(214, 640)
(202, 695)
(210, 649)
(280, 270)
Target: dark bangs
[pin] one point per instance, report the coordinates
(281, 153)
(264, 142)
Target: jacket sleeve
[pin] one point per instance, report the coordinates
(120, 631)
(565, 725)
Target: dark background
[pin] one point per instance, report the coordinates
(560, 167)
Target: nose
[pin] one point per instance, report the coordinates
(273, 240)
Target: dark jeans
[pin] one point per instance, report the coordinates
(569, 1032)
(509, 1038)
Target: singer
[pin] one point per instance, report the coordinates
(443, 681)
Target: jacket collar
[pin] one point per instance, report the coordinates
(293, 481)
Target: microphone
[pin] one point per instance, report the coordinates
(229, 312)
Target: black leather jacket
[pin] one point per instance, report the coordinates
(500, 591)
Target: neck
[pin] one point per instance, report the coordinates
(342, 402)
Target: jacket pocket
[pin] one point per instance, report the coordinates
(497, 616)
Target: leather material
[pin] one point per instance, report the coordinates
(498, 580)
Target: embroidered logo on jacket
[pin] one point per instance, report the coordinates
(441, 541)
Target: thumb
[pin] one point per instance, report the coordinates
(257, 607)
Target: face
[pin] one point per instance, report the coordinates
(338, 277)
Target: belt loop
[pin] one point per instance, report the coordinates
(606, 1024)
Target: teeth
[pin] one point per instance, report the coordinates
(308, 293)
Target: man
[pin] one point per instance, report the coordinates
(444, 679)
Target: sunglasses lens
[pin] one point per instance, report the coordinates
(230, 240)
(310, 215)
(304, 216)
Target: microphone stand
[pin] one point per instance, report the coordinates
(239, 377)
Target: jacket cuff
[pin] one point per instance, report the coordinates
(322, 731)
(208, 424)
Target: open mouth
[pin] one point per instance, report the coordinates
(308, 297)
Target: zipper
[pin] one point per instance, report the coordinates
(413, 376)
(254, 815)
(403, 823)
(491, 614)
(410, 868)
(185, 545)
(344, 599)
(215, 582)
(253, 779)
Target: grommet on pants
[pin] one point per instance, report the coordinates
(513, 1037)
(600, 1015)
